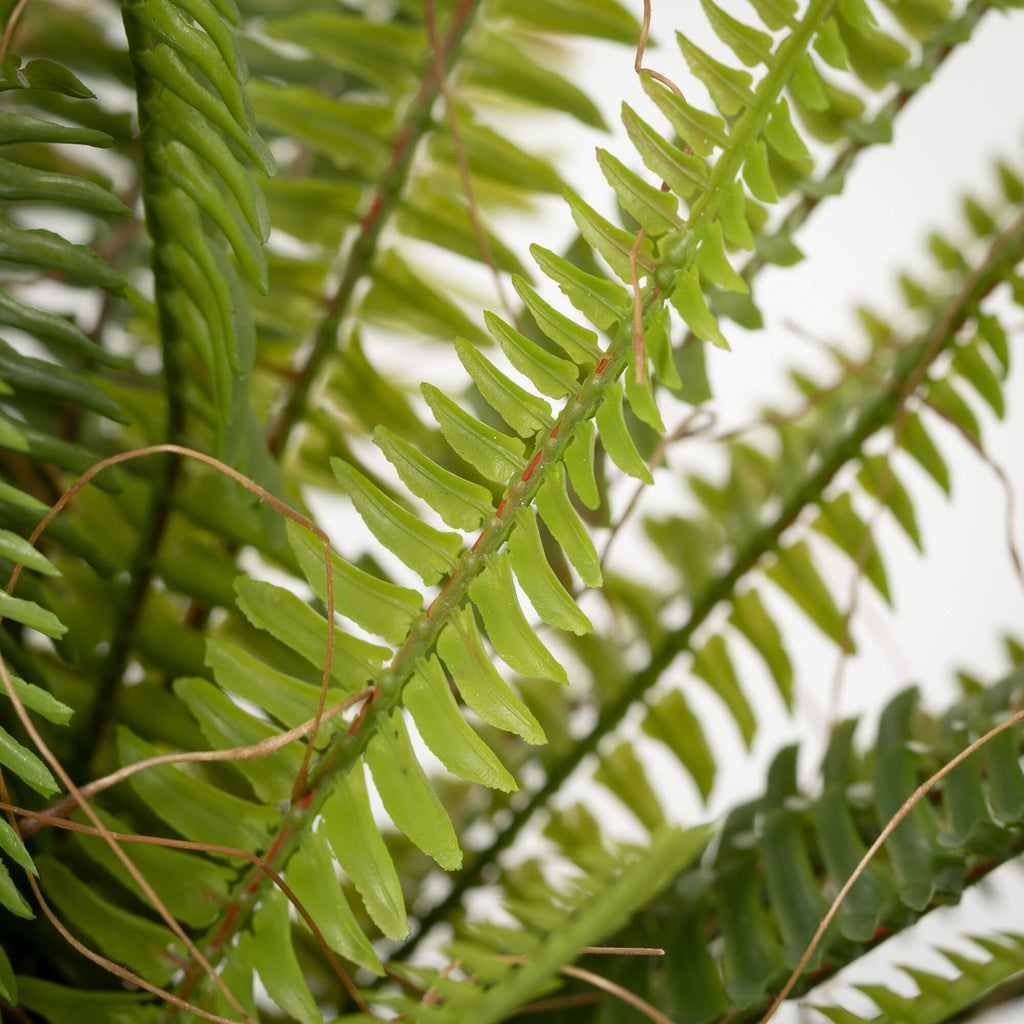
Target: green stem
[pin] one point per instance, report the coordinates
(911, 368)
(91, 722)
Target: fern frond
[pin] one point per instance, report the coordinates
(744, 528)
(940, 998)
(734, 925)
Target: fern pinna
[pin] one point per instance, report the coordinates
(224, 309)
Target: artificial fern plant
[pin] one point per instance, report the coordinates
(220, 240)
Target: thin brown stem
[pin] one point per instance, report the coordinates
(907, 806)
(10, 27)
(300, 788)
(264, 748)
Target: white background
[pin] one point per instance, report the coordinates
(952, 605)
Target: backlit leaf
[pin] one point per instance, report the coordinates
(275, 960)
(496, 455)
(547, 595)
(551, 375)
(460, 503)
(602, 302)
(377, 605)
(447, 734)
(616, 438)
(523, 412)
(359, 848)
(311, 875)
(578, 343)
(566, 526)
(493, 592)
(426, 551)
(408, 796)
(481, 687)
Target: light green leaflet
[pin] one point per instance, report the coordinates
(378, 606)
(550, 375)
(37, 247)
(496, 455)
(31, 614)
(621, 771)
(18, 550)
(612, 242)
(657, 326)
(917, 442)
(289, 619)
(683, 171)
(11, 843)
(971, 364)
(360, 850)
(426, 551)
(733, 214)
(23, 763)
(202, 138)
(547, 595)
(757, 174)
(701, 131)
(184, 169)
(275, 961)
(714, 263)
(796, 574)
(751, 618)
(880, 481)
(447, 734)
(673, 723)
(783, 137)
(641, 399)
(196, 809)
(226, 725)
(135, 941)
(291, 701)
(566, 526)
(612, 427)
(578, 343)
(713, 664)
(311, 875)
(654, 210)
(10, 896)
(688, 298)
(407, 795)
(523, 412)
(601, 301)
(35, 698)
(494, 593)
(461, 503)
(50, 328)
(729, 87)
(839, 521)
(481, 687)
(579, 461)
(167, 68)
(217, 62)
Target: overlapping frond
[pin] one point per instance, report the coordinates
(741, 548)
(734, 925)
(263, 359)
